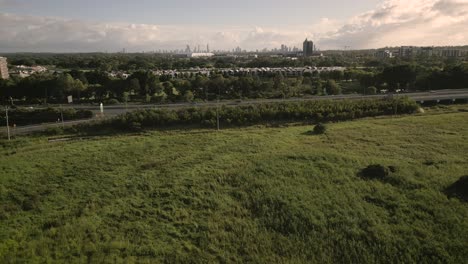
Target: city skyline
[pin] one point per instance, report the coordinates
(369, 24)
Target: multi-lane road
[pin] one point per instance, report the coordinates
(113, 110)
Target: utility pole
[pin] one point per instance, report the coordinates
(217, 112)
(7, 124)
(61, 114)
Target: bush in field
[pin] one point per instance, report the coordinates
(320, 129)
(459, 189)
(375, 172)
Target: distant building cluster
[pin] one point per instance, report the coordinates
(200, 55)
(382, 54)
(412, 51)
(197, 51)
(4, 68)
(285, 71)
(26, 71)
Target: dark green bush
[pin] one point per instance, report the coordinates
(375, 172)
(459, 189)
(52, 131)
(320, 129)
(112, 102)
(134, 126)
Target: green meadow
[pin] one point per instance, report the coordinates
(256, 195)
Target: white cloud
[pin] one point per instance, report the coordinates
(396, 22)
(405, 22)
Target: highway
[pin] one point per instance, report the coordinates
(114, 110)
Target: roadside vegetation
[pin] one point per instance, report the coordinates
(273, 113)
(374, 190)
(24, 116)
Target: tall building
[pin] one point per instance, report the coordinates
(3, 68)
(451, 53)
(427, 51)
(308, 48)
(382, 54)
(408, 51)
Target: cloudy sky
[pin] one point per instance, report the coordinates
(147, 25)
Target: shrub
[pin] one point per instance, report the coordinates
(147, 98)
(135, 126)
(393, 169)
(320, 129)
(371, 90)
(375, 172)
(459, 189)
(52, 131)
(112, 101)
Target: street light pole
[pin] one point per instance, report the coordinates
(7, 124)
(61, 114)
(217, 112)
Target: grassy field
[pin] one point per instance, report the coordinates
(261, 195)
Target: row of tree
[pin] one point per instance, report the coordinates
(131, 62)
(145, 86)
(308, 111)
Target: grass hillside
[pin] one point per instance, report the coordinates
(261, 195)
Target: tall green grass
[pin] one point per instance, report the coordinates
(261, 195)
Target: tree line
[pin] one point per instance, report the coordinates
(144, 61)
(306, 111)
(145, 86)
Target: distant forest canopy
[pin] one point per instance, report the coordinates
(147, 61)
(86, 77)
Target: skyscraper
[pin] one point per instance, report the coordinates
(308, 48)
(3, 68)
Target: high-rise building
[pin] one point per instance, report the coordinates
(4, 68)
(451, 53)
(382, 54)
(308, 48)
(426, 51)
(408, 51)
